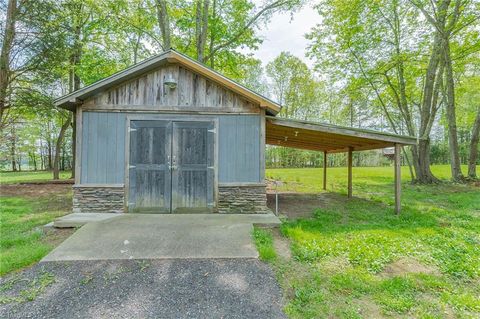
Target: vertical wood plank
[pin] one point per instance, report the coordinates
(324, 170)
(262, 146)
(110, 147)
(350, 157)
(398, 179)
(78, 144)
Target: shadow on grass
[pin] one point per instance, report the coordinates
(332, 212)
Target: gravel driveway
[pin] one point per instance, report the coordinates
(176, 288)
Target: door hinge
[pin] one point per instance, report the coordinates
(213, 130)
(131, 166)
(131, 129)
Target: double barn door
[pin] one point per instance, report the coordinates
(171, 167)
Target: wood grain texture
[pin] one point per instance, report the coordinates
(350, 164)
(398, 178)
(149, 166)
(148, 92)
(193, 167)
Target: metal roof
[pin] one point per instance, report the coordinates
(328, 138)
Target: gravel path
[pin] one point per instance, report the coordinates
(177, 288)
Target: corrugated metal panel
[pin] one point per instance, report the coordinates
(103, 148)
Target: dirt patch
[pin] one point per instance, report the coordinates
(368, 308)
(281, 244)
(333, 265)
(407, 265)
(298, 205)
(35, 190)
(56, 236)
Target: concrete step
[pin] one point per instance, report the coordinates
(260, 220)
(80, 219)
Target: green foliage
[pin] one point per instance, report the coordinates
(348, 251)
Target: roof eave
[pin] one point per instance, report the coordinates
(367, 134)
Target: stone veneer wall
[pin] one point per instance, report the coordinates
(247, 199)
(98, 199)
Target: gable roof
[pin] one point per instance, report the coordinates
(70, 101)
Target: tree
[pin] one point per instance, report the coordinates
(6, 76)
(220, 26)
(472, 159)
(386, 44)
(447, 17)
(295, 87)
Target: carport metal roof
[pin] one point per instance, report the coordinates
(336, 139)
(328, 138)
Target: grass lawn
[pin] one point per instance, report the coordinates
(356, 259)
(30, 176)
(22, 239)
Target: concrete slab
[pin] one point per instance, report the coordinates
(155, 236)
(80, 219)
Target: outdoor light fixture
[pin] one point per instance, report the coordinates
(170, 82)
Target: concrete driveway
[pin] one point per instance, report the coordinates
(155, 236)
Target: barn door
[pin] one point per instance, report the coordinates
(193, 167)
(149, 167)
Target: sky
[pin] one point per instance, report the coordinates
(287, 33)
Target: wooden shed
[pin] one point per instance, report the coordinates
(170, 135)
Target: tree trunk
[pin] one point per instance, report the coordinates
(201, 28)
(49, 149)
(34, 158)
(212, 33)
(13, 148)
(164, 23)
(472, 159)
(410, 168)
(451, 117)
(421, 162)
(7, 45)
(58, 146)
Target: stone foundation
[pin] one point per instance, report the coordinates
(246, 199)
(98, 199)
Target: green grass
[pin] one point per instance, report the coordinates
(342, 256)
(264, 242)
(21, 237)
(30, 176)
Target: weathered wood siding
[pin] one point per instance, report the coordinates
(239, 149)
(193, 92)
(103, 148)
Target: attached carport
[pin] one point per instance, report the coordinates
(329, 138)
